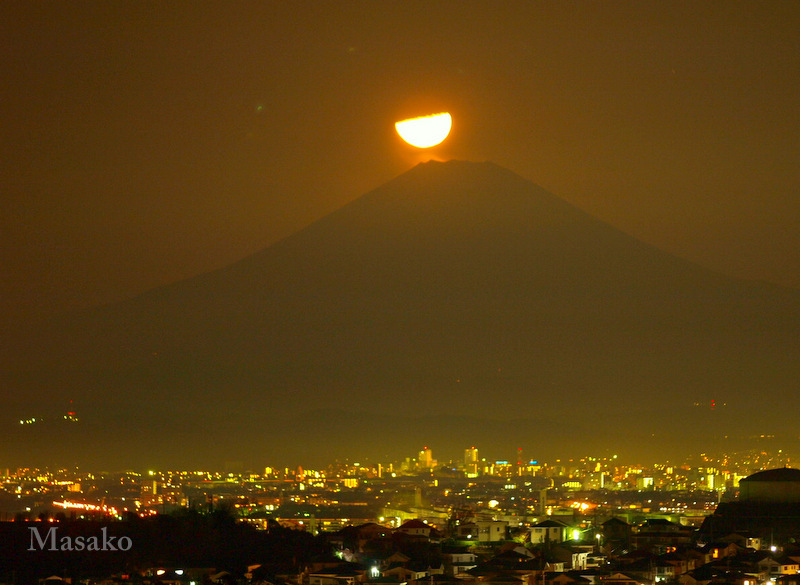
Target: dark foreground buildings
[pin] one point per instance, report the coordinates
(768, 508)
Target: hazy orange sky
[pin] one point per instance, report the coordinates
(144, 142)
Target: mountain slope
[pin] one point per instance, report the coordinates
(455, 288)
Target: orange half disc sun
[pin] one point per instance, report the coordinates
(425, 131)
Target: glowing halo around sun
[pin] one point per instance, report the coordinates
(425, 131)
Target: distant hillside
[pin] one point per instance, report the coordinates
(455, 289)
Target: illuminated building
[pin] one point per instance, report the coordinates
(425, 459)
(549, 531)
(471, 462)
(415, 528)
(483, 531)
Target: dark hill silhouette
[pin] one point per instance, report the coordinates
(457, 288)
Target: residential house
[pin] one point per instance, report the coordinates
(721, 550)
(616, 535)
(623, 579)
(743, 539)
(772, 567)
(415, 528)
(407, 572)
(344, 574)
(458, 561)
(567, 578)
(660, 535)
(549, 531)
(483, 531)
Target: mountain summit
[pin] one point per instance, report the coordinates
(455, 289)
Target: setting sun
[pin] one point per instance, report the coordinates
(425, 131)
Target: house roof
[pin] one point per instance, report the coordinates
(343, 570)
(591, 572)
(414, 524)
(549, 523)
(636, 554)
(504, 577)
(673, 556)
(571, 577)
(657, 522)
(721, 545)
(784, 560)
(396, 565)
(514, 555)
(452, 549)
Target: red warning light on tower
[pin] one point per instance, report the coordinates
(71, 415)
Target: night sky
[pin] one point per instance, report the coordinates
(147, 142)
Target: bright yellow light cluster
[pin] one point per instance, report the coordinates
(425, 131)
(88, 507)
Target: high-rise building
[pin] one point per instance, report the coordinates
(425, 459)
(471, 462)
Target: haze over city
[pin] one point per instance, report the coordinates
(216, 247)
